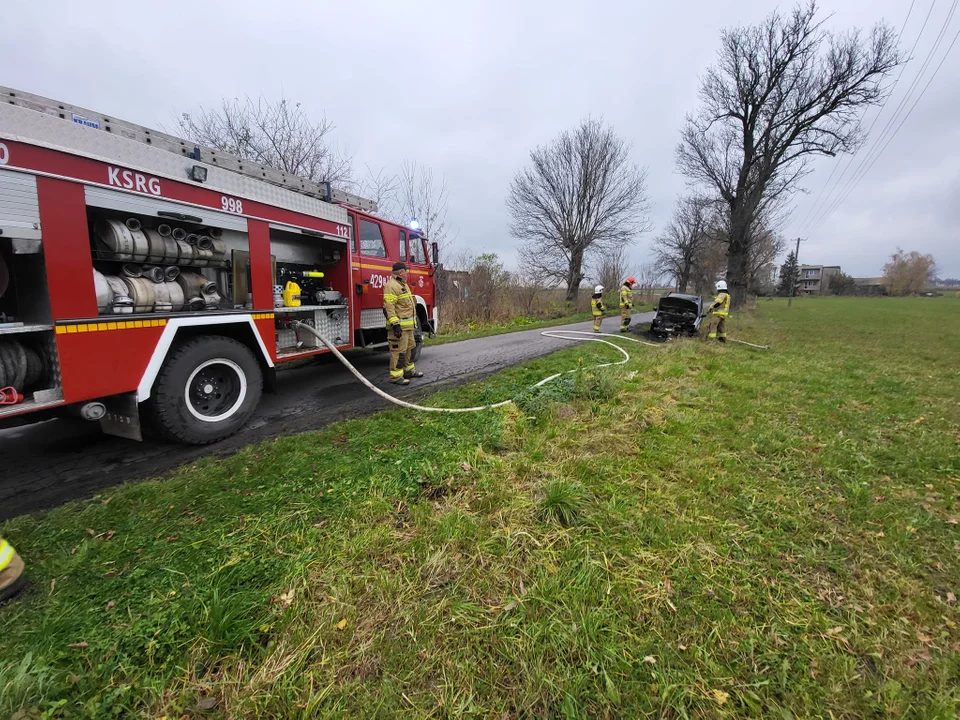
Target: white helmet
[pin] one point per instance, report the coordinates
(721, 285)
(598, 289)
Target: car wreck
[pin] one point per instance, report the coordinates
(677, 315)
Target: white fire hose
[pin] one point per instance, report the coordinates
(558, 334)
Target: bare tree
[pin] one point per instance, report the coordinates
(276, 134)
(678, 247)
(648, 279)
(781, 92)
(611, 268)
(581, 196)
(908, 273)
(425, 199)
(382, 187)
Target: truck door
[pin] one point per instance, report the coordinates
(373, 264)
(420, 280)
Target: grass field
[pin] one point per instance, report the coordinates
(706, 532)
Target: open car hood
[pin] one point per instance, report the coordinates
(679, 303)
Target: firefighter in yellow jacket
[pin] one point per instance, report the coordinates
(718, 313)
(400, 309)
(11, 571)
(626, 302)
(596, 306)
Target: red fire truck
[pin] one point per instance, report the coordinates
(144, 276)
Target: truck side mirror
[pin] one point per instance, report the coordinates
(436, 253)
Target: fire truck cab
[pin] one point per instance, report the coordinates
(142, 276)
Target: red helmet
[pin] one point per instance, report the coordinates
(632, 281)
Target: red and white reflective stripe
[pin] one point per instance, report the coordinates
(6, 554)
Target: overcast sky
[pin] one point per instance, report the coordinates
(470, 88)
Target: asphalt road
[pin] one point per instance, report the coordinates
(50, 463)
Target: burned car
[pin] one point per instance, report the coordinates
(677, 315)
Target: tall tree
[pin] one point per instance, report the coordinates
(789, 273)
(841, 284)
(781, 92)
(581, 196)
(908, 273)
(678, 246)
(276, 134)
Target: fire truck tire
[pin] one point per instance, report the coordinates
(206, 390)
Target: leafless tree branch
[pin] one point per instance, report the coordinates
(780, 93)
(581, 195)
(275, 134)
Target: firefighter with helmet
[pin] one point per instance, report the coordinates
(718, 313)
(596, 305)
(400, 309)
(11, 571)
(626, 302)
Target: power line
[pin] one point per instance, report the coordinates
(811, 216)
(909, 112)
(888, 132)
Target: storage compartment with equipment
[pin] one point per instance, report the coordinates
(311, 277)
(152, 256)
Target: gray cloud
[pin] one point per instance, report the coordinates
(470, 89)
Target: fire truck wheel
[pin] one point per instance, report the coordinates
(206, 390)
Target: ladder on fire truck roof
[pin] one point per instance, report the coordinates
(171, 143)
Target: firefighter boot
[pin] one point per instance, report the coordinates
(11, 571)
(625, 324)
(399, 380)
(412, 374)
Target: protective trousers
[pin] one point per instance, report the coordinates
(624, 318)
(401, 345)
(597, 321)
(718, 327)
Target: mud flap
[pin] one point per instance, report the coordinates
(123, 417)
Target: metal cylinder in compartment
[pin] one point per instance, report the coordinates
(168, 297)
(142, 293)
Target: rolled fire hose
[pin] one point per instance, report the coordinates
(155, 274)
(141, 245)
(104, 292)
(157, 243)
(171, 273)
(131, 270)
(116, 238)
(178, 234)
(168, 297)
(557, 334)
(142, 292)
(185, 252)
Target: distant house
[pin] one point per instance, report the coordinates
(815, 279)
(871, 286)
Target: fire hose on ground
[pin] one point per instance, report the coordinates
(557, 334)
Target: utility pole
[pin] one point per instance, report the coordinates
(793, 284)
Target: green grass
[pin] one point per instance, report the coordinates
(706, 532)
